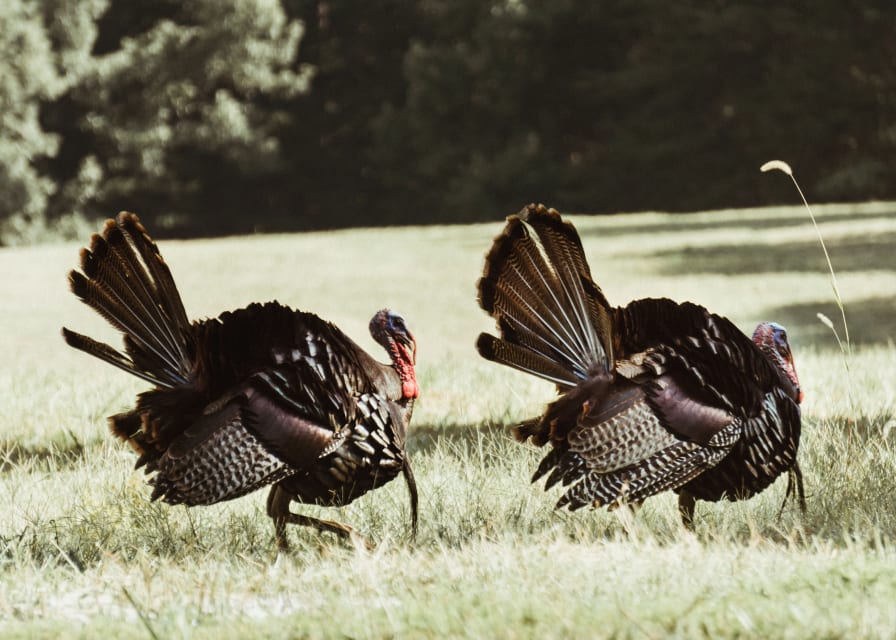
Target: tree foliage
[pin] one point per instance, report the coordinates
(609, 106)
(181, 119)
(27, 77)
(227, 116)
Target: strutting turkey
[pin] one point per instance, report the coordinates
(264, 395)
(654, 396)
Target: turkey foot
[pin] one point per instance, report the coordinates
(278, 510)
(341, 530)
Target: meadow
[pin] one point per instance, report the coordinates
(83, 553)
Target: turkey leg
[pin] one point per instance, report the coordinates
(278, 510)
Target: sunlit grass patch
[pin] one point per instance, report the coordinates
(84, 552)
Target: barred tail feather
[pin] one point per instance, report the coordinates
(158, 269)
(564, 249)
(554, 321)
(146, 286)
(523, 359)
(107, 354)
(127, 282)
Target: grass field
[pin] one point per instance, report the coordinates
(85, 554)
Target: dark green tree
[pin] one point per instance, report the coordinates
(28, 74)
(610, 105)
(357, 51)
(227, 116)
(180, 119)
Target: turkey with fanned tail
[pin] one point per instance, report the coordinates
(654, 396)
(264, 395)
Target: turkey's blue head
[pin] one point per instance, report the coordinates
(389, 329)
(771, 338)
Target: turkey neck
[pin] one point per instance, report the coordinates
(407, 390)
(391, 379)
(786, 372)
(403, 363)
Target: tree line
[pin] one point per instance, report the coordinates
(213, 117)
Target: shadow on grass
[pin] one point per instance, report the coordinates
(13, 455)
(753, 220)
(853, 253)
(872, 322)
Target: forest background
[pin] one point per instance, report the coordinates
(216, 117)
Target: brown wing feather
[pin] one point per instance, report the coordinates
(682, 414)
(216, 459)
(295, 438)
(622, 431)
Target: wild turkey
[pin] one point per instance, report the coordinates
(264, 395)
(655, 395)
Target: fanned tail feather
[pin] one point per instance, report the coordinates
(554, 322)
(107, 354)
(127, 282)
(523, 359)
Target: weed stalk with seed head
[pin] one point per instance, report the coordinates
(844, 344)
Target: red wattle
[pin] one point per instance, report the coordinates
(410, 388)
